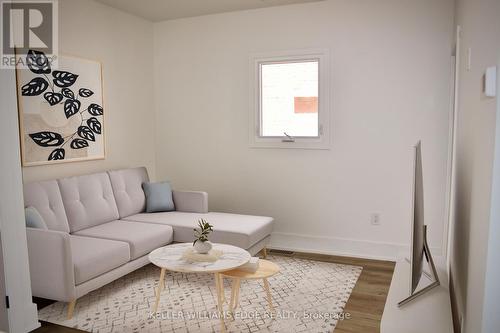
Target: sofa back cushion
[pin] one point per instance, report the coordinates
(127, 188)
(88, 200)
(46, 198)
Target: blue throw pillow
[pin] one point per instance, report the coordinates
(158, 197)
(34, 219)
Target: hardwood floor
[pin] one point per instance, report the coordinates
(365, 305)
(53, 328)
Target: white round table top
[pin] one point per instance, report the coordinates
(170, 258)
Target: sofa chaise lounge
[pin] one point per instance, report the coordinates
(98, 230)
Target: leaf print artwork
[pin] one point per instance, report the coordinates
(74, 108)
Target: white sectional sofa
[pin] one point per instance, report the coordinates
(98, 230)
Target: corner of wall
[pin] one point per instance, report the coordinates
(456, 310)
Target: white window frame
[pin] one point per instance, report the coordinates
(320, 142)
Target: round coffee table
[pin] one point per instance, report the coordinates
(266, 269)
(170, 258)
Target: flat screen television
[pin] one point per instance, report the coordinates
(419, 247)
(417, 230)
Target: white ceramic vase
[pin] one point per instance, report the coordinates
(202, 247)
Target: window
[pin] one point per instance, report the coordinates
(290, 101)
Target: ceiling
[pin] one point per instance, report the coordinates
(160, 10)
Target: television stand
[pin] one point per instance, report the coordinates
(434, 277)
(432, 312)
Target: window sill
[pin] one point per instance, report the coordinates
(297, 144)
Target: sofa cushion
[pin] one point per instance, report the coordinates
(127, 188)
(88, 200)
(46, 198)
(158, 197)
(141, 237)
(34, 219)
(94, 256)
(239, 230)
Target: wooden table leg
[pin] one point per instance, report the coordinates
(221, 283)
(220, 308)
(158, 290)
(235, 285)
(233, 294)
(161, 282)
(237, 293)
(268, 292)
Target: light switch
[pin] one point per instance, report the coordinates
(490, 81)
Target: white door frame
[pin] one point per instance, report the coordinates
(491, 320)
(22, 313)
(452, 151)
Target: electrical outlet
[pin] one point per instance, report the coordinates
(375, 219)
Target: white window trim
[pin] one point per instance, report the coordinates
(321, 142)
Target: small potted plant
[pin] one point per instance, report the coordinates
(201, 243)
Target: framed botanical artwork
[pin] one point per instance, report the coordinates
(61, 114)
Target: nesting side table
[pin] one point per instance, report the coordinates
(266, 269)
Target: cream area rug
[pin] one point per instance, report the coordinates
(309, 296)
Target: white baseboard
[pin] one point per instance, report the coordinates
(340, 246)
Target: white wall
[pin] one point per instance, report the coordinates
(123, 43)
(480, 23)
(391, 70)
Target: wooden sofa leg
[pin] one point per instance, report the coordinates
(71, 308)
(264, 253)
